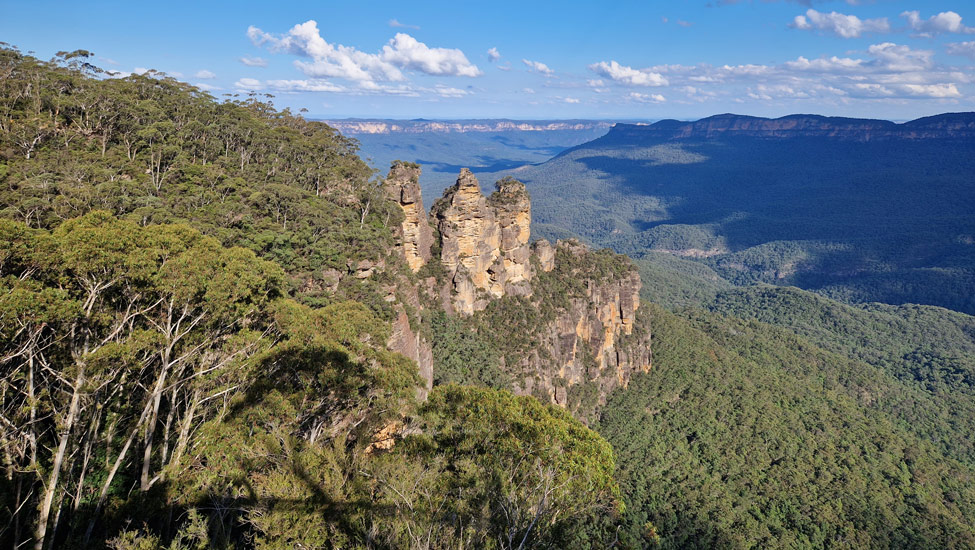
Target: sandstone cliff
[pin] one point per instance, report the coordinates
(402, 185)
(592, 336)
(484, 241)
(563, 320)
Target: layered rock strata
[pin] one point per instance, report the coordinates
(402, 185)
(484, 241)
(599, 338)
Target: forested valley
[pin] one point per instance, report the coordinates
(196, 300)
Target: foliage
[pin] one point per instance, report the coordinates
(150, 149)
(746, 436)
(504, 472)
(929, 350)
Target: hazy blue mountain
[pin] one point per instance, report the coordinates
(860, 210)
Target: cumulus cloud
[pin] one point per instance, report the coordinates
(572, 100)
(884, 70)
(203, 73)
(253, 61)
(628, 75)
(406, 52)
(538, 67)
(313, 85)
(896, 57)
(493, 55)
(846, 26)
(962, 48)
(944, 22)
(402, 52)
(646, 98)
(248, 84)
(207, 87)
(825, 64)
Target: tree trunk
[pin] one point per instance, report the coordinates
(51, 486)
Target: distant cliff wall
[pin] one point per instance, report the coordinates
(947, 126)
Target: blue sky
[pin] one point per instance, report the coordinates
(535, 59)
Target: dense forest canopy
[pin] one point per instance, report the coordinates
(194, 307)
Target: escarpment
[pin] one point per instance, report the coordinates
(591, 336)
(563, 320)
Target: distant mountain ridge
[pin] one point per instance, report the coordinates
(948, 125)
(419, 126)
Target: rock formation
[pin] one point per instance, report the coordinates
(402, 185)
(484, 241)
(588, 336)
(598, 337)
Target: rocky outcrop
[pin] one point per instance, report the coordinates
(585, 334)
(946, 126)
(545, 253)
(597, 339)
(402, 185)
(484, 241)
(407, 341)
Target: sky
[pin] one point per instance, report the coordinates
(526, 59)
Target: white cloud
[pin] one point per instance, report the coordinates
(570, 100)
(628, 75)
(253, 61)
(313, 85)
(203, 73)
(248, 84)
(824, 64)
(207, 87)
(406, 52)
(402, 52)
(962, 48)
(493, 55)
(683, 23)
(847, 26)
(946, 21)
(894, 57)
(528, 90)
(140, 70)
(646, 98)
(538, 67)
(396, 24)
(447, 91)
(933, 90)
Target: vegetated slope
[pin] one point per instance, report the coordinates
(746, 436)
(195, 300)
(930, 350)
(480, 145)
(858, 210)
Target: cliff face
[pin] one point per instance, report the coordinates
(564, 319)
(947, 126)
(597, 338)
(353, 126)
(402, 185)
(484, 241)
